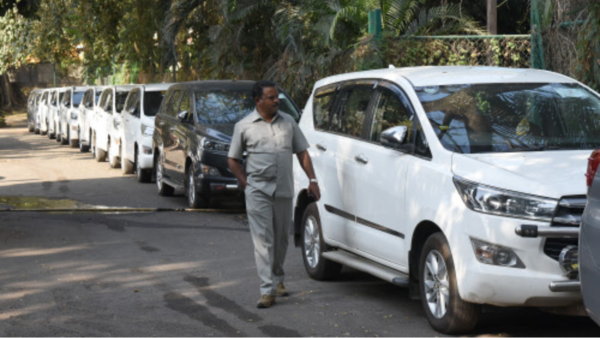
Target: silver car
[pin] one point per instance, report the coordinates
(589, 251)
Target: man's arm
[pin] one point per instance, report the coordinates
(306, 164)
(236, 168)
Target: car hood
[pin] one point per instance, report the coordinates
(544, 173)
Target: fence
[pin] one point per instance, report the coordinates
(496, 50)
(556, 27)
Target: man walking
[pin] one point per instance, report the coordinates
(270, 139)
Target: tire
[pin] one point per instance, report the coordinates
(82, 148)
(50, 135)
(143, 175)
(113, 160)
(36, 131)
(57, 134)
(126, 166)
(65, 139)
(437, 284)
(30, 127)
(163, 188)
(196, 200)
(100, 154)
(73, 143)
(313, 247)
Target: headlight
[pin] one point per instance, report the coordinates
(216, 146)
(494, 201)
(147, 130)
(74, 116)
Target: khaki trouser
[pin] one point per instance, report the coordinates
(269, 219)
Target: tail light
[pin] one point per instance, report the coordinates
(593, 162)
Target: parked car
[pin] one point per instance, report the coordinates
(54, 112)
(31, 109)
(192, 134)
(589, 251)
(87, 116)
(141, 107)
(107, 118)
(69, 113)
(43, 109)
(426, 172)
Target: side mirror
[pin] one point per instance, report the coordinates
(394, 137)
(183, 115)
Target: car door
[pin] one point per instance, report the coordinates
(381, 179)
(131, 123)
(166, 124)
(180, 133)
(343, 129)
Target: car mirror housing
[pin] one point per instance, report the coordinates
(394, 137)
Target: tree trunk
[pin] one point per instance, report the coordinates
(8, 98)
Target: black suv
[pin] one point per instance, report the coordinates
(192, 133)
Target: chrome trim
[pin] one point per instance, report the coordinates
(567, 219)
(560, 232)
(573, 202)
(565, 286)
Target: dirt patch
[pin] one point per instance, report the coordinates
(16, 120)
(31, 202)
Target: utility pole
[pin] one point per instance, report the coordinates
(492, 17)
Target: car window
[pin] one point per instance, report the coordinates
(66, 97)
(174, 100)
(391, 109)
(323, 111)
(152, 102)
(107, 102)
(185, 105)
(98, 94)
(131, 104)
(77, 97)
(60, 97)
(286, 105)
(353, 109)
(223, 106)
(120, 102)
(420, 141)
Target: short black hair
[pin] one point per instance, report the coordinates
(257, 89)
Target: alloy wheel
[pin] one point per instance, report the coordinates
(437, 286)
(312, 243)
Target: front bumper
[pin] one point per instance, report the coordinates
(506, 286)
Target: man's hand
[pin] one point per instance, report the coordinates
(313, 188)
(236, 168)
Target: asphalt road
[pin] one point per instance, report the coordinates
(175, 273)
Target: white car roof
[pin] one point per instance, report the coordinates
(454, 75)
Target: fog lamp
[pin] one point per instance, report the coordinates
(208, 170)
(494, 254)
(569, 261)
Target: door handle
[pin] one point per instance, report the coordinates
(361, 159)
(321, 147)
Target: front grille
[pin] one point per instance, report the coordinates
(568, 214)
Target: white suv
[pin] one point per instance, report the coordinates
(106, 126)
(141, 107)
(426, 173)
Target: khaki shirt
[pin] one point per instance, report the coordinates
(270, 148)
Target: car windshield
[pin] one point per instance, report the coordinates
(121, 97)
(152, 101)
(77, 98)
(508, 117)
(230, 106)
(98, 94)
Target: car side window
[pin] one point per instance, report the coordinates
(132, 100)
(323, 111)
(185, 106)
(421, 144)
(173, 104)
(67, 97)
(353, 109)
(391, 109)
